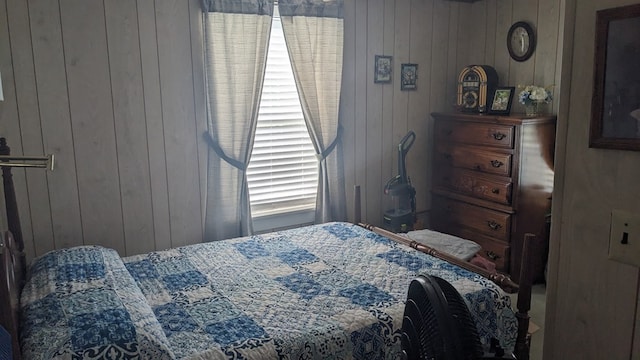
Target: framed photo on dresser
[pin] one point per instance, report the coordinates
(502, 99)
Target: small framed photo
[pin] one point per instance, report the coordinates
(382, 71)
(409, 75)
(502, 99)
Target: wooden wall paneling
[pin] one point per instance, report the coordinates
(440, 81)
(419, 100)
(10, 123)
(491, 22)
(440, 78)
(464, 54)
(477, 32)
(504, 19)
(30, 129)
(362, 76)
(547, 43)
(55, 122)
(452, 55)
(521, 73)
(374, 149)
(558, 313)
(130, 126)
(402, 55)
(389, 153)
(91, 108)
(347, 101)
(197, 65)
(154, 123)
(564, 64)
(596, 312)
(174, 52)
(589, 315)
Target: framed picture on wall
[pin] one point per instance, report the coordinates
(502, 99)
(382, 70)
(615, 105)
(408, 76)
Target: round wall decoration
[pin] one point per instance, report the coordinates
(521, 41)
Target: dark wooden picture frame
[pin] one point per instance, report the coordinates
(615, 106)
(382, 69)
(502, 100)
(408, 76)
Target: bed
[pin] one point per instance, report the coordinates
(329, 291)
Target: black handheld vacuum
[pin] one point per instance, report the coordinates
(400, 213)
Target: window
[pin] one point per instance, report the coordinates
(283, 170)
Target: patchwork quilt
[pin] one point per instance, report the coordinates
(328, 291)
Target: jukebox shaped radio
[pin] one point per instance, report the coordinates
(476, 84)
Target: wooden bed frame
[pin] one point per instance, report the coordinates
(13, 265)
(523, 289)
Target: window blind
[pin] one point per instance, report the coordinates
(283, 169)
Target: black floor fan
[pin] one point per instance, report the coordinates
(437, 323)
(400, 209)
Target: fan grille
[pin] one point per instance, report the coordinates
(437, 323)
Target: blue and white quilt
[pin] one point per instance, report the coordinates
(329, 291)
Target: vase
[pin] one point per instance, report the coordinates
(532, 109)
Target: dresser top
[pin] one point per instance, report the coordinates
(496, 119)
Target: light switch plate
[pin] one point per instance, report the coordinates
(624, 238)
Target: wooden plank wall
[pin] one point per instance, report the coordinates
(441, 37)
(592, 302)
(114, 88)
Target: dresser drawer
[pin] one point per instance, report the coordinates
(473, 133)
(494, 224)
(488, 162)
(495, 251)
(473, 184)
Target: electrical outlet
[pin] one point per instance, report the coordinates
(624, 238)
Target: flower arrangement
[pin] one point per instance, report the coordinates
(531, 94)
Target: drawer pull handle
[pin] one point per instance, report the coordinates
(493, 225)
(499, 136)
(495, 191)
(492, 256)
(496, 163)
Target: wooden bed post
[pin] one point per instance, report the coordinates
(12, 262)
(13, 218)
(12, 258)
(523, 341)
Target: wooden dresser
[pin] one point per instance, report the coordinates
(492, 183)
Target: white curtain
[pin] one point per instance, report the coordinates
(313, 31)
(236, 40)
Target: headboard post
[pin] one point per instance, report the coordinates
(11, 203)
(11, 263)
